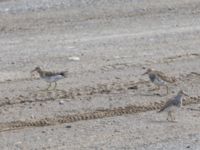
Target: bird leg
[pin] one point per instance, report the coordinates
(168, 114)
(55, 86)
(48, 87)
(167, 89)
(171, 116)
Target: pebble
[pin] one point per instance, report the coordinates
(43, 131)
(74, 58)
(117, 57)
(32, 117)
(68, 126)
(188, 146)
(116, 130)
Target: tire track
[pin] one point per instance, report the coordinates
(72, 93)
(42, 96)
(98, 114)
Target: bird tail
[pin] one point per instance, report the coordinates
(165, 77)
(64, 74)
(160, 110)
(170, 79)
(195, 73)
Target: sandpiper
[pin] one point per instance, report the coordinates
(159, 79)
(50, 77)
(172, 105)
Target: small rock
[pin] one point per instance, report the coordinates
(21, 96)
(49, 140)
(188, 146)
(117, 57)
(43, 131)
(7, 98)
(17, 143)
(6, 9)
(143, 67)
(157, 94)
(74, 58)
(116, 130)
(135, 87)
(117, 78)
(68, 126)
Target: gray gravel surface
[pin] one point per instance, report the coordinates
(116, 40)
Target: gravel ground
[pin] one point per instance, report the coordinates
(116, 40)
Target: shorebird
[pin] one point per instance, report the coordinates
(172, 105)
(195, 73)
(50, 77)
(159, 79)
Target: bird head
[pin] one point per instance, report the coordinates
(37, 69)
(181, 92)
(148, 71)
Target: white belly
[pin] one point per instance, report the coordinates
(53, 78)
(159, 82)
(172, 108)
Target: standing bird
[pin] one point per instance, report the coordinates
(50, 76)
(173, 103)
(159, 79)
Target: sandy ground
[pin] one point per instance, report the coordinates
(116, 40)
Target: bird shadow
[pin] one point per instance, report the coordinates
(161, 121)
(50, 91)
(152, 94)
(59, 90)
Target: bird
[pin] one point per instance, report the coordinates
(50, 77)
(198, 74)
(159, 79)
(172, 104)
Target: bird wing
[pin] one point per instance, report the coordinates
(48, 73)
(167, 104)
(164, 77)
(64, 73)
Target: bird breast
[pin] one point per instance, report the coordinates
(156, 80)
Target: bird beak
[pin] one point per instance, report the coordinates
(185, 94)
(145, 73)
(33, 71)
